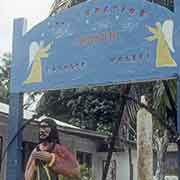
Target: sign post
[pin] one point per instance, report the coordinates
(178, 122)
(110, 42)
(177, 11)
(14, 154)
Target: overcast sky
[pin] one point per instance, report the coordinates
(34, 11)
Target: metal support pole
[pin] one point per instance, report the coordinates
(178, 122)
(14, 155)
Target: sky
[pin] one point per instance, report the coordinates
(33, 10)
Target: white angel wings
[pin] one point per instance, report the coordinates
(34, 47)
(167, 29)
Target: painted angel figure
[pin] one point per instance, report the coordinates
(164, 36)
(37, 51)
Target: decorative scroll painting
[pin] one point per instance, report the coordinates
(98, 43)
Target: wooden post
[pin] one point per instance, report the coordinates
(144, 144)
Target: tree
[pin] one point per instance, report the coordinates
(89, 107)
(165, 131)
(4, 77)
(59, 5)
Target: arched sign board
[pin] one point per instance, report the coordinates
(94, 43)
(98, 42)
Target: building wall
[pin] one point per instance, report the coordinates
(122, 165)
(134, 161)
(77, 142)
(172, 163)
(30, 135)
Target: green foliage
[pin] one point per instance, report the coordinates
(162, 103)
(161, 99)
(4, 77)
(85, 174)
(96, 108)
(58, 5)
(93, 108)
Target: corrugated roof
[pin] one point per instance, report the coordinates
(59, 123)
(4, 108)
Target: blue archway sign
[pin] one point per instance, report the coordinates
(98, 42)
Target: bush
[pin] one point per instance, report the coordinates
(85, 174)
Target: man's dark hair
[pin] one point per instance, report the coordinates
(53, 136)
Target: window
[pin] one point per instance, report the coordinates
(1, 149)
(84, 158)
(166, 3)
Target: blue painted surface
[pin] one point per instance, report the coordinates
(96, 42)
(178, 122)
(14, 154)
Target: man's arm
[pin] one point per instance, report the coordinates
(61, 161)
